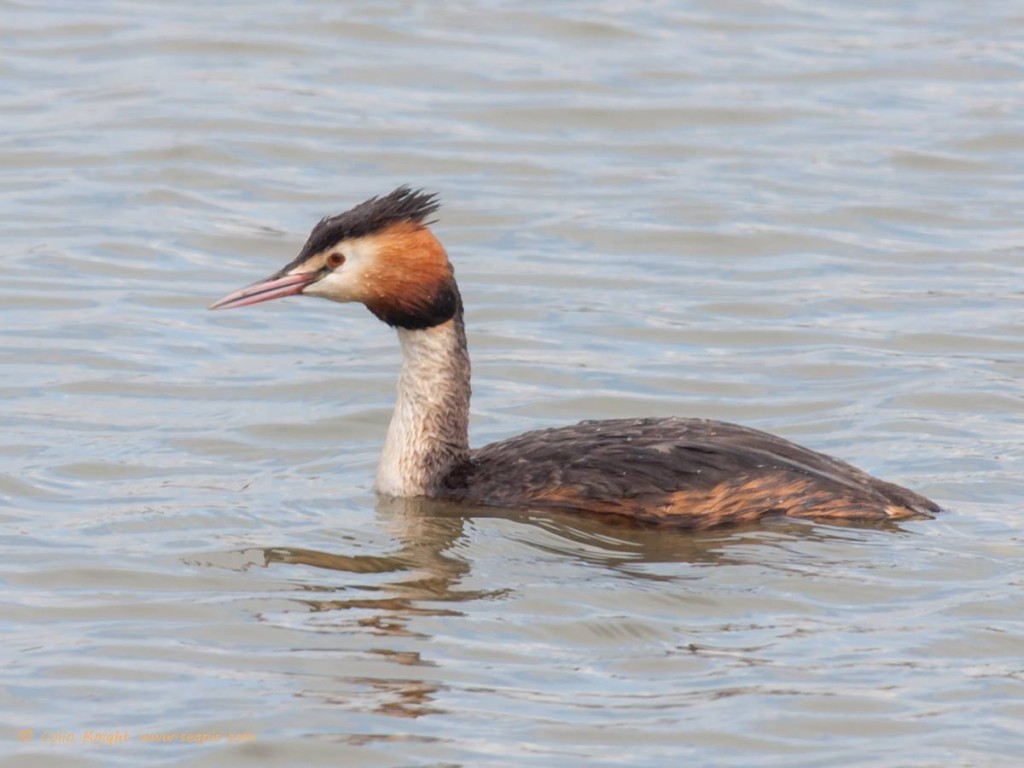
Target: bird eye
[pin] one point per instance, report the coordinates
(335, 260)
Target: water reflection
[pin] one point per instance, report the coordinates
(429, 532)
(409, 624)
(627, 621)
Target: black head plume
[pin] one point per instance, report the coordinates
(370, 217)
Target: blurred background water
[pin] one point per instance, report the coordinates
(803, 216)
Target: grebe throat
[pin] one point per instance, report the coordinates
(429, 430)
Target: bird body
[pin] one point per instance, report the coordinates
(692, 473)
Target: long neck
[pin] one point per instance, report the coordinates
(429, 431)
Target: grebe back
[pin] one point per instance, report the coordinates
(693, 473)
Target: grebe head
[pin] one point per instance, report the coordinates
(381, 254)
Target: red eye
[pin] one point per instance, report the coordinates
(335, 260)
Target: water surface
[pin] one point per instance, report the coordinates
(801, 216)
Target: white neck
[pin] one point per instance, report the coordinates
(429, 430)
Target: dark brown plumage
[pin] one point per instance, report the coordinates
(691, 473)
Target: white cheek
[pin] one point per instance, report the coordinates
(348, 282)
(337, 286)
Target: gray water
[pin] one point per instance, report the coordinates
(802, 216)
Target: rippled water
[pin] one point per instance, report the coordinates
(802, 216)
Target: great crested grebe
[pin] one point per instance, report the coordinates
(692, 473)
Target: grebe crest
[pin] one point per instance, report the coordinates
(692, 473)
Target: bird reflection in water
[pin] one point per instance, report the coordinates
(388, 595)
